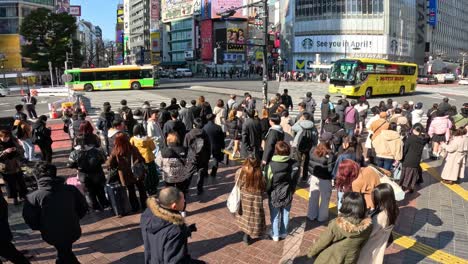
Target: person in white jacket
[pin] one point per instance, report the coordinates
(155, 131)
(417, 114)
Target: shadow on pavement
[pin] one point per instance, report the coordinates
(411, 220)
(132, 258)
(204, 247)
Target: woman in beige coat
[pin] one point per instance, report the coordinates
(383, 219)
(457, 151)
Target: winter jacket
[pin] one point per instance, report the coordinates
(197, 154)
(104, 122)
(5, 231)
(165, 235)
(111, 135)
(265, 124)
(155, 131)
(25, 127)
(282, 176)
(341, 242)
(388, 145)
(84, 174)
(344, 156)
(275, 134)
(163, 117)
(123, 165)
(186, 116)
(55, 209)
(299, 127)
(326, 109)
(340, 111)
(44, 132)
(310, 104)
(378, 126)
(286, 100)
(460, 120)
(11, 160)
(412, 151)
(366, 181)
(195, 110)
(440, 126)
(172, 159)
(173, 107)
(234, 128)
(321, 167)
(174, 126)
(216, 136)
(145, 146)
(444, 107)
(416, 116)
(220, 113)
(251, 129)
(373, 251)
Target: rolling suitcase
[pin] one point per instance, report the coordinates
(118, 197)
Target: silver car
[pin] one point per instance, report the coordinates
(4, 91)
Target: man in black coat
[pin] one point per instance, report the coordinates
(199, 153)
(164, 115)
(174, 125)
(173, 105)
(251, 136)
(165, 234)
(55, 209)
(7, 249)
(275, 134)
(195, 109)
(216, 135)
(41, 136)
(286, 100)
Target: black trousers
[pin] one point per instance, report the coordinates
(65, 255)
(46, 151)
(31, 112)
(10, 253)
(217, 159)
(133, 197)
(96, 194)
(202, 174)
(15, 185)
(303, 159)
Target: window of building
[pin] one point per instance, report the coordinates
(8, 11)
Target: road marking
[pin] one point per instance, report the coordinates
(405, 241)
(456, 188)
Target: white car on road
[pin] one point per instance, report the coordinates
(4, 91)
(463, 81)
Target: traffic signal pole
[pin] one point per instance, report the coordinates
(265, 52)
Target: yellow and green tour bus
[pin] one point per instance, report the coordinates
(370, 77)
(113, 78)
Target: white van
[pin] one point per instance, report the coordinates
(4, 91)
(184, 72)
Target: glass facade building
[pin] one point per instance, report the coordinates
(328, 30)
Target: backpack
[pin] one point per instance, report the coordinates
(37, 136)
(18, 131)
(89, 161)
(307, 139)
(197, 145)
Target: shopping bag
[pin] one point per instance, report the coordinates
(396, 173)
(233, 201)
(75, 181)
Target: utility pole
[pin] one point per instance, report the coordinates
(123, 48)
(265, 52)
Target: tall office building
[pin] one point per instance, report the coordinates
(138, 30)
(12, 14)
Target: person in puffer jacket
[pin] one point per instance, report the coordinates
(388, 147)
(439, 131)
(282, 176)
(172, 159)
(146, 147)
(417, 114)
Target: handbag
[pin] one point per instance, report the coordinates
(396, 173)
(138, 169)
(74, 181)
(234, 199)
(397, 190)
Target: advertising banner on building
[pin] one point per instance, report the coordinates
(421, 20)
(62, 6)
(156, 42)
(120, 14)
(155, 11)
(218, 6)
(432, 13)
(206, 9)
(235, 38)
(206, 38)
(155, 58)
(75, 10)
(176, 9)
(196, 8)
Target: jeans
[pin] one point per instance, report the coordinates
(350, 132)
(340, 199)
(320, 193)
(96, 194)
(65, 255)
(15, 185)
(31, 112)
(133, 198)
(385, 163)
(9, 252)
(28, 149)
(279, 220)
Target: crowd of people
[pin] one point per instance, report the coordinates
(157, 151)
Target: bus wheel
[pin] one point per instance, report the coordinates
(368, 93)
(402, 91)
(89, 87)
(136, 86)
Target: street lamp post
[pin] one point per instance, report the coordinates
(2, 59)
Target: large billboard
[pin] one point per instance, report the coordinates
(206, 9)
(176, 9)
(155, 42)
(62, 6)
(206, 38)
(120, 14)
(432, 13)
(75, 10)
(10, 47)
(218, 6)
(235, 39)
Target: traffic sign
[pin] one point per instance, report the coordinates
(66, 78)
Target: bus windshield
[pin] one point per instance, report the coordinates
(344, 71)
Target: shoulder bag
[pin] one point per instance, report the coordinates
(138, 169)
(234, 199)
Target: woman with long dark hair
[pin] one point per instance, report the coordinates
(348, 171)
(345, 235)
(121, 159)
(321, 164)
(384, 217)
(251, 215)
(87, 132)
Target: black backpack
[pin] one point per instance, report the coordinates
(37, 136)
(89, 161)
(18, 131)
(307, 139)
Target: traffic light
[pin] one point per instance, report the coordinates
(218, 56)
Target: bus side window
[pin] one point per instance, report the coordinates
(87, 76)
(101, 76)
(76, 77)
(135, 74)
(146, 74)
(411, 70)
